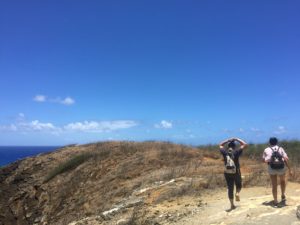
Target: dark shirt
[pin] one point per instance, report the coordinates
(236, 156)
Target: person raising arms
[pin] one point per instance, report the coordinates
(232, 173)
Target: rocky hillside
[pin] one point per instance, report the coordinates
(114, 183)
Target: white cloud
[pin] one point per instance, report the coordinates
(21, 125)
(280, 130)
(21, 115)
(164, 125)
(68, 101)
(11, 127)
(40, 98)
(102, 126)
(65, 101)
(36, 125)
(88, 126)
(255, 129)
(192, 136)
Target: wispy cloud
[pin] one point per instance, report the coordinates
(36, 125)
(21, 115)
(21, 124)
(102, 126)
(40, 98)
(86, 126)
(11, 127)
(64, 101)
(68, 101)
(280, 130)
(184, 136)
(164, 125)
(253, 129)
(226, 130)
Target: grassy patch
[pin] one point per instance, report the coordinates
(69, 165)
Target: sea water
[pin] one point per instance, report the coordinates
(9, 154)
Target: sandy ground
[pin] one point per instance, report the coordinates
(252, 209)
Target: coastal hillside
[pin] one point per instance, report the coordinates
(120, 183)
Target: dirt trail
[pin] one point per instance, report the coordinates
(252, 209)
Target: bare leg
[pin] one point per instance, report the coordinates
(282, 185)
(237, 196)
(274, 187)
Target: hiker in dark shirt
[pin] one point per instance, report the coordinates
(232, 173)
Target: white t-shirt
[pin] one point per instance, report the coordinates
(268, 153)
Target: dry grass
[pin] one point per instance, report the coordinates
(69, 165)
(103, 174)
(89, 179)
(139, 217)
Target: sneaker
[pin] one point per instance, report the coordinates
(275, 204)
(237, 197)
(283, 198)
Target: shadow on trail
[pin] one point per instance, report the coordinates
(231, 209)
(272, 204)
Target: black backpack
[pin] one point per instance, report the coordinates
(276, 160)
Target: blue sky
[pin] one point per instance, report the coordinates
(191, 72)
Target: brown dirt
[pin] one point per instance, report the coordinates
(145, 183)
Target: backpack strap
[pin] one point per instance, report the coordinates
(274, 150)
(231, 155)
(281, 153)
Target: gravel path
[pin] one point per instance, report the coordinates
(252, 209)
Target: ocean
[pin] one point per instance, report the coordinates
(9, 154)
